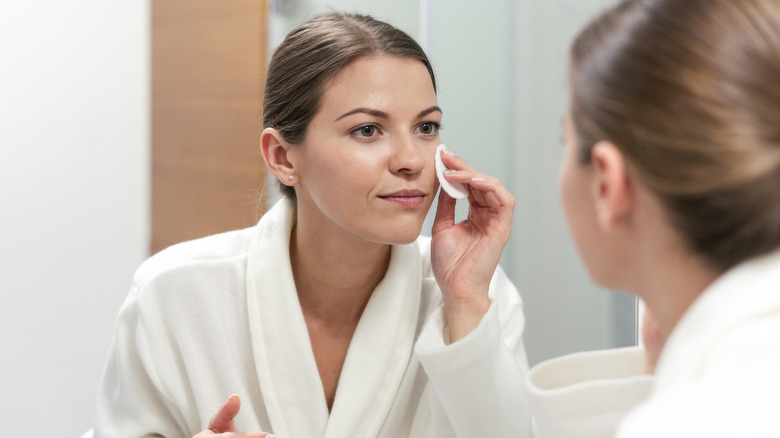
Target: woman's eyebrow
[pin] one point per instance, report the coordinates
(369, 111)
(383, 115)
(425, 112)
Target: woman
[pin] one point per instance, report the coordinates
(671, 187)
(332, 317)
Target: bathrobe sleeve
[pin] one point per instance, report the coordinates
(478, 383)
(587, 394)
(132, 401)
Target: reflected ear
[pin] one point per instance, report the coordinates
(274, 150)
(612, 190)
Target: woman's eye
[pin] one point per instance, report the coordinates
(429, 128)
(365, 131)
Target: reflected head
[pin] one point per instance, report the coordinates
(688, 91)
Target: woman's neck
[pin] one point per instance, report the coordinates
(663, 271)
(334, 275)
(671, 284)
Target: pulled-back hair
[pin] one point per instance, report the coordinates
(689, 90)
(314, 53)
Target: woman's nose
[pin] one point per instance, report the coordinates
(407, 156)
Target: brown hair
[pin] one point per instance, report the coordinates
(689, 90)
(314, 53)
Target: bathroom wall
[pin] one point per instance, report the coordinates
(75, 205)
(565, 311)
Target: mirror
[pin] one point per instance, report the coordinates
(501, 73)
(76, 107)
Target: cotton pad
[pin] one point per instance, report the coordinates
(454, 189)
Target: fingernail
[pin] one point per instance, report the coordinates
(448, 153)
(477, 179)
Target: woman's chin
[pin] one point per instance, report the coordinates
(404, 236)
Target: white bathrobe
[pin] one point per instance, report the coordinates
(718, 376)
(220, 315)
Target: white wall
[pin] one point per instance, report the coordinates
(74, 180)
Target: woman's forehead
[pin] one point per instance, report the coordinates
(382, 82)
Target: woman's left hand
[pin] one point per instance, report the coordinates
(465, 255)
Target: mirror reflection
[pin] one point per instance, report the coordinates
(136, 129)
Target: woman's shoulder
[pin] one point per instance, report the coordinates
(190, 290)
(197, 257)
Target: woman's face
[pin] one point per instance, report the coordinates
(577, 198)
(366, 165)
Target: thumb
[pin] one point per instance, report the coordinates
(445, 212)
(222, 421)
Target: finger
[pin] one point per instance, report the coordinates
(452, 161)
(474, 180)
(497, 198)
(492, 200)
(479, 185)
(465, 177)
(651, 334)
(445, 212)
(489, 184)
(210, 433)
(477, 196)
(653, 340)
(223, 419)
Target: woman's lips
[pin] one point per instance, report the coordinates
(406, 198)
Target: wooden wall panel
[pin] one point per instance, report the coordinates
(208, 59)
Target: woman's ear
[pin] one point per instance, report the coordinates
(612, 191)
(274, 150)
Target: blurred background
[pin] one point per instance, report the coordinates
(128, 126)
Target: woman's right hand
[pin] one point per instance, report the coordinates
(653, 340)
(222, 423)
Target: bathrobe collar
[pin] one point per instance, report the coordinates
(743, 294)
(378, 354)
